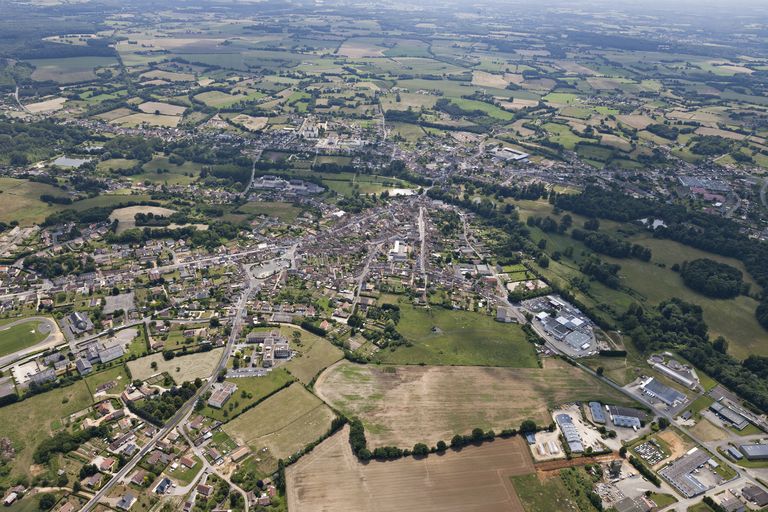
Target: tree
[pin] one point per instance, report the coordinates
(47, 501)
(420, 450)
(441, 446)
(663, 423)
(600, 371)
(527, 427)
(623, 452)
(721, 345)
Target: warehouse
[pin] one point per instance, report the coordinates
(666, 394)
(727, 414)
(570, 433)
(755, 451)
(596, 409)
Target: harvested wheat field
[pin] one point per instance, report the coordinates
(474, 479)
(404, 405)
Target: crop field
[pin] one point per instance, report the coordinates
(218, 99)
(404, 405)
(283, 424)
(125, 217)
(157, 74)
(313, 355)
(441, 336)
(21, 336)
(473, 480)
(27, 423)
(68, 70)
(249, 391)
(181, 368)
(249, 122)
(134, 120)
(49, 105)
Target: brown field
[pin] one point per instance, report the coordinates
(125, 216)
(402, 406)
(134, 120)
(473, 480)
(677, 445)
(614, 140)
(574, 68)
(49, 105)
(720, 133)
(181, 368)
(282, 424)
(250, 122)
(356, 49)
(517, 104)
(484, 79)
(150, 107)
(637, 121)
(707, 431)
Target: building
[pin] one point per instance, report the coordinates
(681, 473)
(754, 451)
(84, 366)
(399, 251)
(626, 422)
(222, 394)
(734, 453)
(659, 391)
(683, 376)
(570, 433)
(240, 453)
(755, 494)
(162, 486)
(596, 409)
(728, 415)
(79, 323)
(111, 353)
(126, 501)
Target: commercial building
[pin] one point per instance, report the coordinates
(222, 394)
(596, 409)
(570, 433)
(728, 415)
(659, 391)
(754, 451)
(680, 473)
(755, 494)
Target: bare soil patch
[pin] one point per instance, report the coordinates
(472, 480)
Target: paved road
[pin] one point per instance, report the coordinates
(53, 339)
(185, 410)
(763, 192)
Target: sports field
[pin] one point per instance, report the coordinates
(18, 336)
(405, 405)
(440, 336)
(473, 480)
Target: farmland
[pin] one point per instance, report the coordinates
(311, 356)
(403, 405)
(476, 478)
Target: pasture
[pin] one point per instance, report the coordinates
(152, 107)
(21, 201)
(283, 211)
(181, 368)
(440, 336)
(474, 479)
(125, 217)
(29, 422)
(281, 425)
(404, 405)
(312, 354)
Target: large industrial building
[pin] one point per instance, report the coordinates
(570, 433)
(659, 391)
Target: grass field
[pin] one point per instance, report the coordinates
(218, 99)
(181, 368)
(116, 374)
(475, 479)
(21, 201)
(20, 336)
(283, 211)
(256, 388)
(283, 424)
(404, 405)
(27, 423)
(311, 357)
(539, 495)
(68, 70)
(441, 336)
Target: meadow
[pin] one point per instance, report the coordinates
(250, 390)
(440, 336)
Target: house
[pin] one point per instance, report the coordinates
(240, 453)
(126, 501)
(93, 481)
(204, 490)
(162, 486)
(187, 462)
(107, 464)
(138, 477)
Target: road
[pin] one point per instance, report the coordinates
(763, 191)
(186, 409)
(423, 248)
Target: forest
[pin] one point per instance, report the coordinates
(712, 278)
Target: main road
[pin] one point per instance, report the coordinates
(184, 411)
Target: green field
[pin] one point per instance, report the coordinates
(283, 211)
(312, 354)
(543, 496)
(21, 336)
(255, 388)
(26, 423)
(160, 170)
(69, 70)
(440, 336)
(20, 201)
